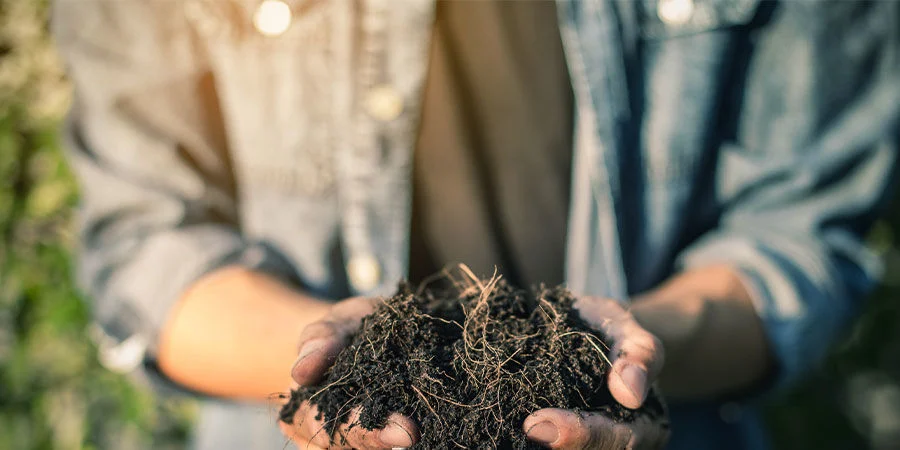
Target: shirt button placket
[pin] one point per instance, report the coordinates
(380, 102)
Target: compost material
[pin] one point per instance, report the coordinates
(468, 360)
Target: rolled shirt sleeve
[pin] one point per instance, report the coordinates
(158, 208)
(814, 157)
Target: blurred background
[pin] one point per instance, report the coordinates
(55, 395)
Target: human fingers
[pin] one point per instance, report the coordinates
(305, 431)
(400, 432)
(565, 429)
(648, 434)
(321, 341)
(637, 356)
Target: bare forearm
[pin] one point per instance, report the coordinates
(235, 334)
(713, 339)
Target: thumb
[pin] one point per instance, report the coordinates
(638, 355)
(317, 353)
(321, 341)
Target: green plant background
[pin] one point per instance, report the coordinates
(55, 395)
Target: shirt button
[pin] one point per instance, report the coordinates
(384, 103)
(272, 17)
(123, 357)
(363, 272)
(675, 12)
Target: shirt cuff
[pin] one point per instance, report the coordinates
(801, 293)
(138, 298)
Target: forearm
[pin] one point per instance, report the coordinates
(235, 334)
(713, 338)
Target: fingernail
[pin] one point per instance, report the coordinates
(308, 349)
(394, 435)
(635, 379)
(544, 432)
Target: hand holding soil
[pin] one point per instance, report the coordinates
(477, 365)
(637, 357)
(320, 344)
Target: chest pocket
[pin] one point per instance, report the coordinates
(662, 19)
(687, 46)
(273, 62)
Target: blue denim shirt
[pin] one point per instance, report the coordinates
(760, 135)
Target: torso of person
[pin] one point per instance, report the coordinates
(491, 169)
(208, 132)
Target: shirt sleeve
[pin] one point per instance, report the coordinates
(814, 156)
(144, 138)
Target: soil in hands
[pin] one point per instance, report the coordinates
(468, 360)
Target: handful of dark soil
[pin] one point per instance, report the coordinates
(469, 362)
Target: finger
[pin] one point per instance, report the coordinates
(321, 341)
(637, 360)
(299, 445)
(637, 355)
(312, 431)
(288, 431)
(317, 353)
(307, 447)
(305, 431)
(400, 432)
(648, 434)
(563, 429)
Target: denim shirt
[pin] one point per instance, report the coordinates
(208, 133)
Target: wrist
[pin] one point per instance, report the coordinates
(235, 334)
(714, 341)
(674, 321)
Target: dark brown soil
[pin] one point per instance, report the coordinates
(469, 362)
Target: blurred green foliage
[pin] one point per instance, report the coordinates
(53, 392)
(55, 395)
(853, 402)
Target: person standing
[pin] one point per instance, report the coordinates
(255, 173)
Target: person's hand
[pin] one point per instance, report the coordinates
(320, 343)
(637, 357)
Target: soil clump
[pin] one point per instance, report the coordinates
(468, 360)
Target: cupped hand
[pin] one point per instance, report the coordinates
(320, 343)
(637, 357)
